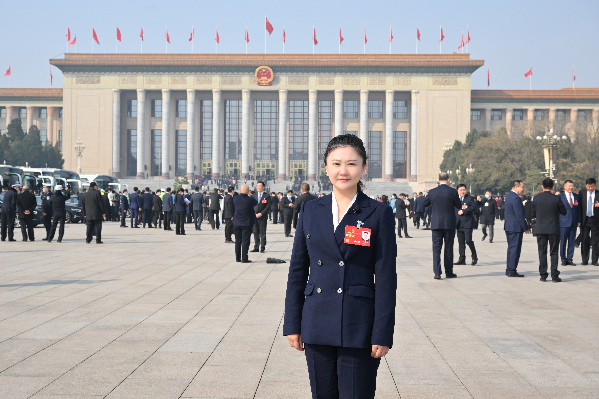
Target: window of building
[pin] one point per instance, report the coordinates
(131, 108)
(400, 155)
(518, 115)
(181, 108)
(156, 152)
(352, 132)
(60, 138)
(206, 131)
(475, 114)
(23, 113)
(350, 109)
(43, 113)
(131, 152)
(181, 152)
(3, 112)
(266, 130)
(44, 137)
(325, 126)
(560, 115)
(60, 113)
(375, 109)
(298, 130)
(582, 115)
(375, 156)
(539, 114)
(496, 115)
(233, 129)
(156, 108)
(400, 110)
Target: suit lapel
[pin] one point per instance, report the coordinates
(324, 219)
(351, 219)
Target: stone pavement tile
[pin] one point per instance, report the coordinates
(433, 392)
(44, 396)
(192, 341)
(14, 350)
(550, 373)
(569, 392)
(21, 387)
(55, 329)
(171, 365)
(230, 381)
(421, 370)
(135, 388)
(284, 390)
(48, 363)
(497, 384)
(171, 316)
(518, 348)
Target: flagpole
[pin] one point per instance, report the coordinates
(390, 40)
(142, 42)
(573, 77)
(339, 39)
(264, 33)
(467, 39)
(313, 36)
(192, 38)
(246, 39)
(283, 40)
(364, 39)
(417, 30)
(530, 76)
(117, 44)
(462, 42)
(167, 40)
(216, 44)
(440, 38)
(76, 41)
(92, 40)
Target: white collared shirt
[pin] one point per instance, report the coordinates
(335, 209)
(590, 200)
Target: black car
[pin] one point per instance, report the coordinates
(74, 212)
(37, 216)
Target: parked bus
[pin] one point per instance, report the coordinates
(9, 175)
(68, 178)
(104, 182)
(35, 178)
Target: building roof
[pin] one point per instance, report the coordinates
(19, 94)
(567, 95)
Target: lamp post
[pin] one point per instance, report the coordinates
(550, 143)
(470, 170)
(447, 146)
(79, 147)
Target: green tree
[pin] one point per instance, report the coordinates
(14, 130)
(180, 181)
(52, 156)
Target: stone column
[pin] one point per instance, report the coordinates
(312, 134)
(414, 137)
(30, 111)
(509, 112)
(531, 120)
(116, 133)
(389, 98)
(245, 133)
(338, 112)
(141, 136)
(191, 131)
(488, 119)
(49, 125)
(9, 115)
(552, 117)
(283, 115)
(166, 130)
(216, 139)
(596, 119)
(363, 134)
(573, 115)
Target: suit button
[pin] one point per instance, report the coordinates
(319, 263)
(339, 291)
(341, 263)
(318, 290)
(308, 235)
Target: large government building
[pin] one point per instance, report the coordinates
(165, 115)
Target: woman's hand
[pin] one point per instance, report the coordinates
(378, 351)
(295, 340)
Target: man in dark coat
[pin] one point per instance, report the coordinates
(9, 210)
(304, 197)
(197, 207)
(46, 210)
(515, 227)
(228, 214)
(105, 202)
(26, 205)
(261, 217)
(135, 207)
(465, 224)
(589, 222)
(214, 208)
(547, 208)
(167, 207)
(287, 205)
(400, 214)
(180, 209)
(274, 207)
(412, 213)
(124, 207)
(488, 212)
(243, 220)
(146, 208)
(419, 210)
(94, 211)
(157, 210)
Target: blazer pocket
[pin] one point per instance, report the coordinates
(361, 290)
(309, 289)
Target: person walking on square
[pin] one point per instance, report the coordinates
(569, 223)
(167, 207)
(243, 220)
(197, 207)
(94, 210)
(146, 206)
(488, 212)
(229, 212)
(26, 204)
(180, 212)
(274, 207)
(305, 196)
(589, 222)
(47, 210)
(342, 282)
(135, 207)
(9, 210)
(157, 210)
(515, 227)
(465, 224)
(548, 208)
(261, 217)
(124, 208)
(419, 210)
(287, 204)
(59, 211)
(214, 208)
(400, 214)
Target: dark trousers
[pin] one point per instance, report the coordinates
(420, 216)
(590, 238)
(197, 217)
(440, 237)
(260, 233)
(94, 227)
(465, 238)
(58, 217)
(8, 225)
(157, 218)
(115, 211)
(491, 230)
(287, 219)
(337, 372)
(47, 224)
(242, 242)
(228, 229)
(553, 240)
(167, 220)
(514, 247)
(275, 216)
(567, 238)
(402, 225)
(146, 215)
(108, 213)
(123, 217)
(180, 222)
(206, 212)
(134, 213)
(189, 214)
(27, 229)
(214, 222)
(502, 214)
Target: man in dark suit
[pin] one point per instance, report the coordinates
(228, 214)
(146, 206)
(243, 220)
(419, 210)
(9, 210)
(47, 210)
(569, 223)
(180, 209)
(304, 197)
(287, 204)
(465, 224)
(26, 205)
(444, 201)
(197, 207)
(589, 221)
(94, 211)
(167, 208)
(400, 214)
(488, 212)
(274, 207)
(214, 208)
(135, 206)
(261, 210)
(124, 207)
(157, 210)
(547, 208)
(515, 227)
(411, 208)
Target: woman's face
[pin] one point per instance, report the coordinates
(345, 167)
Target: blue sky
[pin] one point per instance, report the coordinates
(509, 36)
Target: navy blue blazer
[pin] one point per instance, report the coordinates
(134, 201)
(466, 219)
(244, 210)
(444, 200)
(572, 217)
(515, 221)
(167, 202)
(180, 205)
(419, 205)
(124, 203)
(146, 201)
(332, 298)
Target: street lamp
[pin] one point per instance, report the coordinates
(470, 170)
(550, 143)
(447, 146)
(79, 147)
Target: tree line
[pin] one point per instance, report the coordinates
(19, 149)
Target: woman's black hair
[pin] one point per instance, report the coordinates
(347, 140)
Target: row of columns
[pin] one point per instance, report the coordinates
(217, 168)
(10, 114)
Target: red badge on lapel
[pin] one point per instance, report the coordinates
(464, 206)
(264, 201)
(575, 203)
(596, 204)
(357, 236)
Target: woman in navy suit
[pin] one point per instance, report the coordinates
(333, 308)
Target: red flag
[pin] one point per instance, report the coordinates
(50, 76)
(68, 34)
(95, 36)
(247, 36)
(269, 27)
(390, 35)
(573, 75)
(118, 34)
(314, 37)
(365, 40)
(340, 37)
(283, 35)
(461, 44)
(442, 37)
(468, 37)
(142, 34)
(192, 34)
(488, 78)
(168, 39)
(527, 74)
(417, 33)
(74, 41)
(217, 38)
(7, 72)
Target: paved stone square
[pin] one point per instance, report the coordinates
(149, 314)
